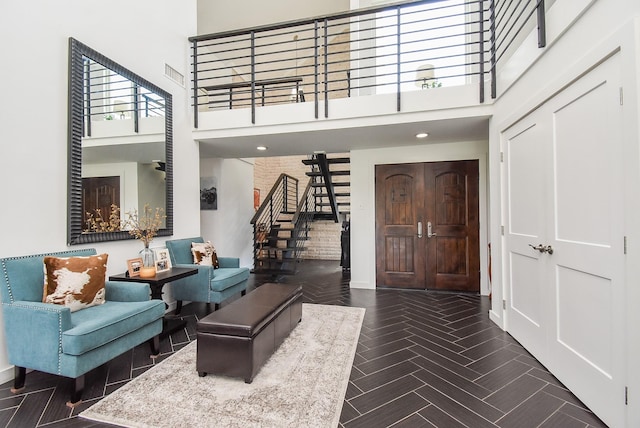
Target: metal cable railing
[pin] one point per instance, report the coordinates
(513, 21)
(409, 46)
(110, 96)
(279, 204)
(302, 219)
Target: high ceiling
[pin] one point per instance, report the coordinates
(345, 139)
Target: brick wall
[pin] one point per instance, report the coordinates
(324, 242)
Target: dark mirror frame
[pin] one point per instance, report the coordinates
(75, 234)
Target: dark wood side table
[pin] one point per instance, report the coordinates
(169, 325)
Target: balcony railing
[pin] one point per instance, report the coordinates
(110, 96)
(410, 46)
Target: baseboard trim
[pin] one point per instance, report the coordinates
(6, 375)
(493, 316)
(362, 284)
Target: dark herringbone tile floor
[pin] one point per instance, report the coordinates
(424, 359)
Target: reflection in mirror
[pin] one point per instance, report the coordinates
(120, 147)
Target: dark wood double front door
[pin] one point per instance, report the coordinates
(99, 193)
(427, 228)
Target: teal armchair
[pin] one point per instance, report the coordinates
(209, 285)
(52, 339)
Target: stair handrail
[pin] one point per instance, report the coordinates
(267, 200)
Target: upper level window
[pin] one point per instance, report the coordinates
(427, 44)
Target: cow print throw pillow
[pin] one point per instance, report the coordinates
(204, 254)
(75, 282)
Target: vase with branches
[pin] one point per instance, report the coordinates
(144, 225)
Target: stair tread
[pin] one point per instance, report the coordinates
(329, 160)
(339, 183)
(319, 174)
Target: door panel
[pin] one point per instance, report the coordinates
(453, 259)
(399, 252)
(587, 337)
(399, 190)
(587, 233)
(526, 298)
(526, 150)
(583, 156)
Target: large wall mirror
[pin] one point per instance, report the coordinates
(120, 147)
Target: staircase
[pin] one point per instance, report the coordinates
(330, 181)
(282, 223)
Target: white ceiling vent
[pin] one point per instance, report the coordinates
(174, 74)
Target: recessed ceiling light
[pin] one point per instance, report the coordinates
(262, 148)
(422, 135)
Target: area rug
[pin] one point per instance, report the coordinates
(303, 384)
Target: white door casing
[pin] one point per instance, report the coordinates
(564, 189)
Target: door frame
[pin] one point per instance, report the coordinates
(363, 162)
(415, 259)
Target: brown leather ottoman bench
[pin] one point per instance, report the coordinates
(239, 338)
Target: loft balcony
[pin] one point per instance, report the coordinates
(370, 71)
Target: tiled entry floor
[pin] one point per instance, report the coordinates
(424, 359)
(427, 359)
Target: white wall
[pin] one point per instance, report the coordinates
(363, 162)
(140, 35)
(218, 16)
(228, 227)
(151, 186)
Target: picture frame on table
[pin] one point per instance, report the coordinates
(163, 261)
(134, 266)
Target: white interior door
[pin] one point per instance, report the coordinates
(565, 191)
(526, 149)
(587, 235)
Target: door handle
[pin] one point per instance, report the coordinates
(430, 234)
(538, 247)
(419, 229)
(542, 248)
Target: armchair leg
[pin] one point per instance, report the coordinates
(216, 306)
(76, 395)
(243, 292)
(19, 376)
(154, 342)
(178, 306)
